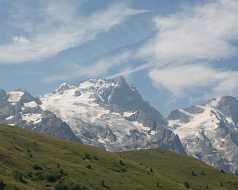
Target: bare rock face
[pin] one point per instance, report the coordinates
(111, 114)
(228, 105)
(20, 108)
(209, 132)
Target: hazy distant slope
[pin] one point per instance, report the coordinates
(32, 161)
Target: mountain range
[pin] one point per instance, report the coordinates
(111, 114)
(31, 161)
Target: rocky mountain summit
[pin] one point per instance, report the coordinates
(111, 114)
(209, 131)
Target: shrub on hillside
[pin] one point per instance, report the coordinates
(2, 185)
(187, 185)
(61, 186)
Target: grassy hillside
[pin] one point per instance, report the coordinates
(29, 161)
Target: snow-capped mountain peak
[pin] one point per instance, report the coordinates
(20, 108)
(209, 131)
(20, 96)
(112, 114)
(63, 87)
(15, 96)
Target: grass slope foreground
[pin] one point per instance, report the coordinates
(30, 161)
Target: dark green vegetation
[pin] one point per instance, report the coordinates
(29, 161)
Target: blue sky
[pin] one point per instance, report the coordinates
(175, 52)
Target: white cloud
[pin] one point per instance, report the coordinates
(180, 78)
(228, 84)
(198, 37)
(131, 70)
(60, 30)
(187, 44)
(205, 32)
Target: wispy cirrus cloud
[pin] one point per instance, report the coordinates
(187, 45)
(179, 78)
(206, 32)
(59, 29)
(100, 68)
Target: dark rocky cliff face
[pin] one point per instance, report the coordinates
(228, 105)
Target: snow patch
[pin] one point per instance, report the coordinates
(15, 96)
(10, 117)
(31, 104)
(174, 123)
(203, 121)
(128, 114)
(32, 118)
(214, 103)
